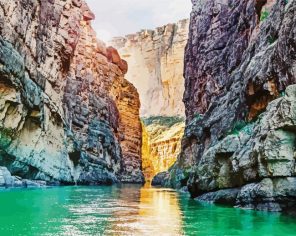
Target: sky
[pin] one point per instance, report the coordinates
(121, 17)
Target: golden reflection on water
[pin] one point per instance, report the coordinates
(155, 212)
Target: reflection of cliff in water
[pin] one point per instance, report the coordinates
(154, 212)
(159, 208)
(124, 218)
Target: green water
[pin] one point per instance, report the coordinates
(128, 210)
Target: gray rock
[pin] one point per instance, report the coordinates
(240, 103)
(159, 179)
(33, 183)
(18, 183)
(224, 196)
(278, 194)
(62, 115)
(6, 180)
(184, 190)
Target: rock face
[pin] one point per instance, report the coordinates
(130, 133)
(262, 152)
(155, 58)
(161, 144)
(8, 181)
(158, 180)
(66, 112)
(240, 114)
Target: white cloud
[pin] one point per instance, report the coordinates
(121, 17)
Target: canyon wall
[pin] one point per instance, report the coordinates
(155, 59)
(67, 114)
(240, 67)
(161, 144)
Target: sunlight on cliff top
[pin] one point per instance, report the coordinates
(121, 17)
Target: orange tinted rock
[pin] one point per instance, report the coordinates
(113, 55)
(123, 66)
(87, 13)
(100, 89)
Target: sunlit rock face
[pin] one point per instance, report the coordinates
(161, 144)
(66, 112)
(155, 59)
(130, 132)
(239, 62)
(147, 162)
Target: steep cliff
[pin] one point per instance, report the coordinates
(239, 141)
(155, 59)
(66, 112)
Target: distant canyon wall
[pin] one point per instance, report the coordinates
(155, 59)
(161, 144)
(66, 112)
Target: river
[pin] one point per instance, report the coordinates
(128, 210)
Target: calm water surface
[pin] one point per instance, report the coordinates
(128, 210)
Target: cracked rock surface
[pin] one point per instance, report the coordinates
(239, 99)
(66, 112)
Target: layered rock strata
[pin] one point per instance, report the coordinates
(161, 144)
(155, 58)
(240, 124)
(66, 112)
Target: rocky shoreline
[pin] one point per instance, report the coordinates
(9, 181)
(239, 143)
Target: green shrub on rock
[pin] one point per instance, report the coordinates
(264, 15)
(167, 121)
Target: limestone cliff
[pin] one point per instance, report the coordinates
(155, 59)
(161, 144)
(239, 143)
(66, 112)
(147, 164)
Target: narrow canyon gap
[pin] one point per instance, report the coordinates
(155, 59)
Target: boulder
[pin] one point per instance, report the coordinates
(159, 179)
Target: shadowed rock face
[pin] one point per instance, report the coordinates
(66, 112)
(239, 61)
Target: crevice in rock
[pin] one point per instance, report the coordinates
(75, 157)
(259, 4)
